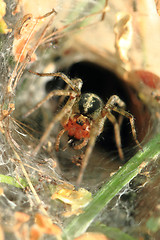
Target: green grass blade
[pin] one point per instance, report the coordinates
(79, 224)
(12, 181)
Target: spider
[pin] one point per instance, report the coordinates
(83, 117)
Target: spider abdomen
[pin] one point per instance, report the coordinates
(78, 126)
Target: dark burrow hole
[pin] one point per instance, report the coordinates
(105, 83)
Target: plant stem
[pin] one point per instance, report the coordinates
(79, 224)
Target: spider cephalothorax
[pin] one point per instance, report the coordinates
(89, 105)
(85, 110)
(83, 118)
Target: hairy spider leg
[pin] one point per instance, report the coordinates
(66, 109)
(113, 120)
(59, 138)
(115, 100)
(95, 131)
(132, 123)
(75, 85)
(82, 144)
(77, 147)
(116, 124)
(50, 95)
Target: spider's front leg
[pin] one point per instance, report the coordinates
(75, 85)
(96, 130)
(87, 154)
(110, 105)
(117, 105)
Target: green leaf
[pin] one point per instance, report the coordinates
(12, 181)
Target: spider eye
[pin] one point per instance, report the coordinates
(89, 103)
(80, 122)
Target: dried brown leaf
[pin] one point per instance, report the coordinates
(21, 217)
(35, 233)
(123, 35)
(46, 225)
(157, 2)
